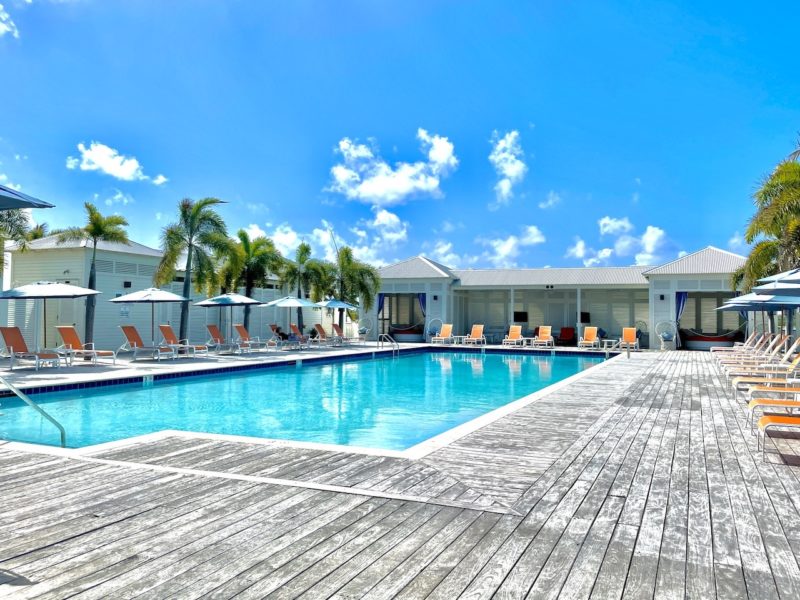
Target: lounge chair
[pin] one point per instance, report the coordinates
(246, 342)
(133, 343)
(629, 339)
(73, 348)
(767, 375)
(340, 334)
(767, 423)
(763, 353)
(180, 346)
(566, 336)
(762, 404)
(18, 350)
(544, 338)
(514, 336)
(749, 342)
(475, 336)
(747, 365)
(445, 335)
(323, 338)
(217, 341)
(589, 338)
(298, 336)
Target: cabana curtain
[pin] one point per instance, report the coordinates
(381, 298)
(680, 304)
(422, 298)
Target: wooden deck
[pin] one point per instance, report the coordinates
(639, 480)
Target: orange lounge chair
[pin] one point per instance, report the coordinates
(629, 338)
(589, 338)
(324, 338)
(171, 340)
(133, 343)
(73, 347)
(763, 404)
(217, 341)
(544, 338)
(767, 423)
(340, 334)
(445, 335)
(746, 367)
(475, 336)
(514, 336)
(18, 350)
(298, 335)
(247, 342)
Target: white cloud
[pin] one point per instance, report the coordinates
(552, 199)
(254, 231)
(682, 253)
(635, 197)
(99, 157)
(736, 243)
(158, 216)
(119, 197)
(578, 250)
(626, 245)
(448, 227)
(651, 241)
(503, 252)
(8, 183)
(532, 236)
(285, 238)
(389, 226)
(366, 177)
(506, 158)
(443, 252)
(612, 226)
(600, 258)
(7, 25)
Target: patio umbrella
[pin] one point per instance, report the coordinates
(291, 302)
(335, 303)
(42, 290)
(780, 276)
(149, 296)
(779, 288)
(11, 199)
(230, 300)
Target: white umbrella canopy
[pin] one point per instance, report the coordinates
(292, 302)
(779, 288)
(336, 303)
(781, 276)
(230, 300)
(42, 290)
(149, 296)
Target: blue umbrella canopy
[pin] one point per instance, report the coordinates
(336, 303)
(11, 199)
(780, 276)
(227, 300)
(292, 302)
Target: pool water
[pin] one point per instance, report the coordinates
(387, 403)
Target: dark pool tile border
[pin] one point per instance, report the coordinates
(321, 360)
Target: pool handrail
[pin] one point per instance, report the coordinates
(17, 392)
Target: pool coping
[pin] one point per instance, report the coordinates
(415, 452)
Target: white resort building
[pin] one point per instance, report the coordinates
(415, 294)
(417, 291)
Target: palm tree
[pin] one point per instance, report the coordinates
(198, 232)
(98, 228)
(14, 227)
(256, 259)
(304, 274)
(39, 231)
(774, 228)
(357, 282)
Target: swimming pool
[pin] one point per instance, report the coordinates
(384, 403)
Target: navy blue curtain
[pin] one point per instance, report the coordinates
(381, 298)
(680, 304)
(422, 298)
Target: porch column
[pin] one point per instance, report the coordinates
(511, 306)
(578, 304)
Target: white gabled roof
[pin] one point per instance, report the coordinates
(51, 243)
(708, 261)
(418, 267)
(579, 276)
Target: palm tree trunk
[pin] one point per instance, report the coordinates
(90, 300)
(299, 310)
(248, 291)
(187, 290)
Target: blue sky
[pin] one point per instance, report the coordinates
(479, 133)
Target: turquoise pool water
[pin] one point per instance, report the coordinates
(390, 404)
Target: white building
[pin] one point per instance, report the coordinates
(121, 269)
(608, 297)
